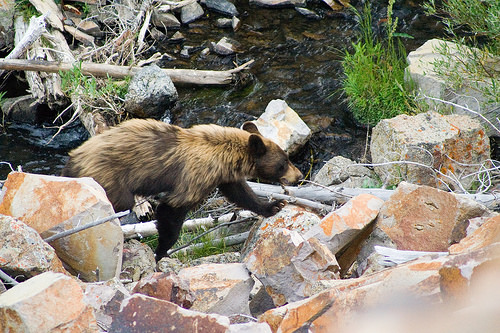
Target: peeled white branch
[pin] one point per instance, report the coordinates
(180, 76)
(146, 229)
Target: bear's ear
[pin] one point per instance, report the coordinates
(256, 145)
(250, 127)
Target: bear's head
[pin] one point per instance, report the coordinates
(271, 162)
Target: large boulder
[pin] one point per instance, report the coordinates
(430, 149)
(52, 204)
(422, 70)
(49, 302)
(420, 218)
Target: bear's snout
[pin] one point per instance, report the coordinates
(291, 176)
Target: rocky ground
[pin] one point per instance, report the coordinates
(407, 243)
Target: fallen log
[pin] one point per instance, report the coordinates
(333, 194)
(178, 76)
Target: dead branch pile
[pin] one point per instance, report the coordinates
(109, 40)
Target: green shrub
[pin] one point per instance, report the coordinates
(481, 18)
(374, 74)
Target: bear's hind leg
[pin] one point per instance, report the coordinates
(169, 224)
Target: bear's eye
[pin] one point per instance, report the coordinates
(281, 168)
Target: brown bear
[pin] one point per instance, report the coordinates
(147, 157)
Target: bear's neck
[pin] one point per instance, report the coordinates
(225, 150)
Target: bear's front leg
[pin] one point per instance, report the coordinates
(243, 196)
(169, 224)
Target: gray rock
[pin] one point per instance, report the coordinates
(222, 6)
(223, 22)
(165, 20)
(339, 169)
(151, 93)
(421, 69)
(7, 10)
(454, 145)
(23, 252)
(105, 298)
(226, 46)
(191, 12)
(138, 260)
(281, 124)
(219, 288)
(22, 109)
(310, 14)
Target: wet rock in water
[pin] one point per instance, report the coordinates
(219, 288)
(157, 35)
(105, 298)
(151, 93)
(222, 6)
(454, 145)
(57, 204)
(223, 22)
(235, 23)
(22, 109)
(177, 37)
(49, 302)
(290, 217)
(422, 71)
(281, 124)
(288, 265)
(165, 20)
(138, 260)
(310, 14)
(23, 252)
(168, 287)
(186, 51)
(226, 46)
(191, 12)
(344, 172)
(140, 313)
(278, 3)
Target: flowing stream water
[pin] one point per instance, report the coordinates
(296, 59)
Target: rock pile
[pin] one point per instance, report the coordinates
(300, 270)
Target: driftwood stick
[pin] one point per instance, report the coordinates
(7, 278)
(146, 229)
(331, 194)
(293, 200)
(85, 226)
(35, 29)
(180, 76)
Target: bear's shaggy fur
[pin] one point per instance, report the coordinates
(146, 157)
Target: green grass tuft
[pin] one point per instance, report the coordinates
(374, 74)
